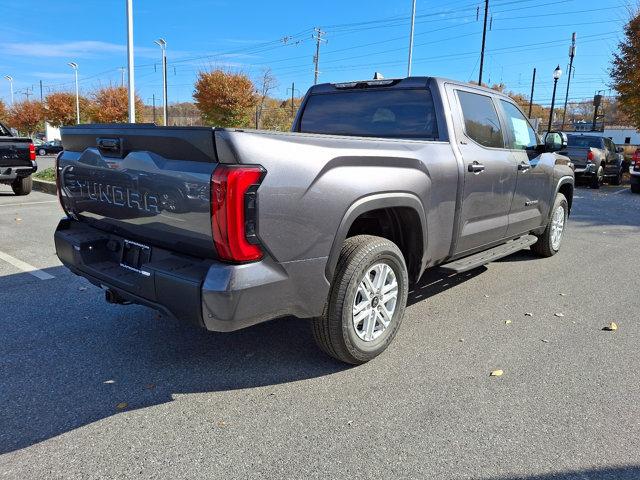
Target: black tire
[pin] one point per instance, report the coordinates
(22, 186)
(617, 180)
(543, 247)
(334, 331)
(598, 178)
(635, 188)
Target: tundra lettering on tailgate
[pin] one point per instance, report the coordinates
(116, 195)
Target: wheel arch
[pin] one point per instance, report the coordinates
(404, 210)
(566, 187)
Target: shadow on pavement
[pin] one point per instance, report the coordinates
(435, 281)
(614, 473)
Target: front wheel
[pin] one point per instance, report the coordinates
(366, 301)
(549, 242)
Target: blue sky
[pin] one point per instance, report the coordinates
(38, 38)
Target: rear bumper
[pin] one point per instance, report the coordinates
(8, 174)
(214, 295)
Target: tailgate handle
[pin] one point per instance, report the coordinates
(113, 145)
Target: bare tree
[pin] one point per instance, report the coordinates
(267, 83)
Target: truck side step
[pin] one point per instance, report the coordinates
(482, 258)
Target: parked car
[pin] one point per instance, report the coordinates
(378, 181)
(17, 161)
(50, 148)
(596, 158)
(634, 171)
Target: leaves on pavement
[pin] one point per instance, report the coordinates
(496, 373)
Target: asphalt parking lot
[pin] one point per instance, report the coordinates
(92, 390)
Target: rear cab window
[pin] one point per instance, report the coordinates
(385, 113)
(584, 141)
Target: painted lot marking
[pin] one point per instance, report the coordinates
(26, 203)
(25, 267)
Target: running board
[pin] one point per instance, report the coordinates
(482, 258)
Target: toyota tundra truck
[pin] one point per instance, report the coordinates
(333, 221)
(17, 161)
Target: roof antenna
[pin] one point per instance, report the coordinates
(378, 76)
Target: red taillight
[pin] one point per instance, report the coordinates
(32, 151)
(233, 219)
(590, 156)
(636, 158)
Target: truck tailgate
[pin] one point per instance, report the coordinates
(14, 152)
(145, 183)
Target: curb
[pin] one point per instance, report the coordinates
(44, 186)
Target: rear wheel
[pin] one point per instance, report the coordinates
(366, 302)
(22, 186)
(549, 242)
(42, 151)
(598, 178)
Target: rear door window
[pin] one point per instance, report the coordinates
(393, 113)
(481, 121)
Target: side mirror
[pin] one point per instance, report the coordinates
(555, 141)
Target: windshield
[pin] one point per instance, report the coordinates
(584, 141)
(394, 113)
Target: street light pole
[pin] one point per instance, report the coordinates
(413, 21)
(557, 73)
(163, 46)
(130, 77)
(74, 65)
(10, 79)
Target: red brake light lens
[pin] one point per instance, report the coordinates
(32, 152)
(590, 155)
(233, 212)
(636, 158)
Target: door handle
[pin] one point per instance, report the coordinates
(476, 167)
(523, 167)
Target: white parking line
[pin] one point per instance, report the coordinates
(620, 191)
(26, 203)
(25, 267)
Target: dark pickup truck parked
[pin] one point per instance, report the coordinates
(596, 158)
(378, 181)
(17, 161)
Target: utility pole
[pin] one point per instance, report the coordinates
(533, 84)
(74, 65)
(316, 58)
(572, 52)
(122, 70)
(165, 107)
(9, 78)
(153, 99)
(597, 99)
(293, 89)
(41, 98)
(413, 21)
(132, 89)
(484, 37)
(27, 93)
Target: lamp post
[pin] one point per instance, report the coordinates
(10, 80)
(163, 46)
(74, 65)
(557, 73)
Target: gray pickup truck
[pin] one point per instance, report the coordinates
(17, 161)
(596, 158)
(376, 182)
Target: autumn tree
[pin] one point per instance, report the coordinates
(111, 105)
(60, 108)
(4, 113)
(225, 99)
(625, 70)
(26, 116)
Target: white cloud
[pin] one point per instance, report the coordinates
(71, 50)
